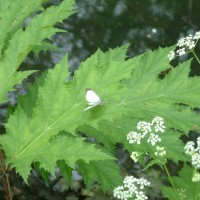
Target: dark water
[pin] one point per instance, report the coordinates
(107, 24)
(143, 24)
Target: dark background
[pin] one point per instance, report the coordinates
(106, 24)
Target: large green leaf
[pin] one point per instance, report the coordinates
(13, 15)
(66, 171)
(54, 105)
(150, 96)
(41, 26)
(105, 172)
(185, 188)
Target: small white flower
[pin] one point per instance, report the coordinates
(181, 42)
(197, 35)
(185, 44)
(160, 151)
(121, 193)
(157, 120)
(171, 55)
(132, 187)
(193, 152)
(143, 183)
(198, 143)
(129, 182)
(196, 160)
(141, 196)
(196, 177)
(189, 148)
(188, 38)
(189, 42)
(160, 128)
(147, 129)
(153, 139)
(135, 155)
(159, 124)
(191, 45)
(134, 137)
(181, 51)
(144, 126)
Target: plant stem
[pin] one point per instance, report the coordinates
(196, 56)
(5, 176)
(165, 167)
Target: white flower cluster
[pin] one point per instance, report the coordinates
(185, 45)
(160, 151)
(196, 177)
(135, 155)
(134, 137)
(159, 124)
(153, 139)
(194, 152)
(132, 187)
(149, 130)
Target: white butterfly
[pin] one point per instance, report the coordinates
(92, 98)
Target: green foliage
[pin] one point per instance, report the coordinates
(45, 46)
(52, 105)
(185, 187)
(154, 96)
(16, 43)
(106, 172)
(66, 171)
(49, 120)
(13, 16)
(46, 128)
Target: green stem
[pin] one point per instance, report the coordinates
(196, 56)
(170, 179)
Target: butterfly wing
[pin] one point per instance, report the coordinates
(92, 97)
(91, 106)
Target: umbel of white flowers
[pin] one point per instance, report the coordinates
(194, 152)
(185, 45)
(148, 130)
(132, 188)
(160, 151)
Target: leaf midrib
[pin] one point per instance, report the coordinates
(47, 129)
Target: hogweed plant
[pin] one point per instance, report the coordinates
(185, 45)
(195, 157)
(132, 188)
(150, 131)
(43, 131)
(147, 130)
(194, 152)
